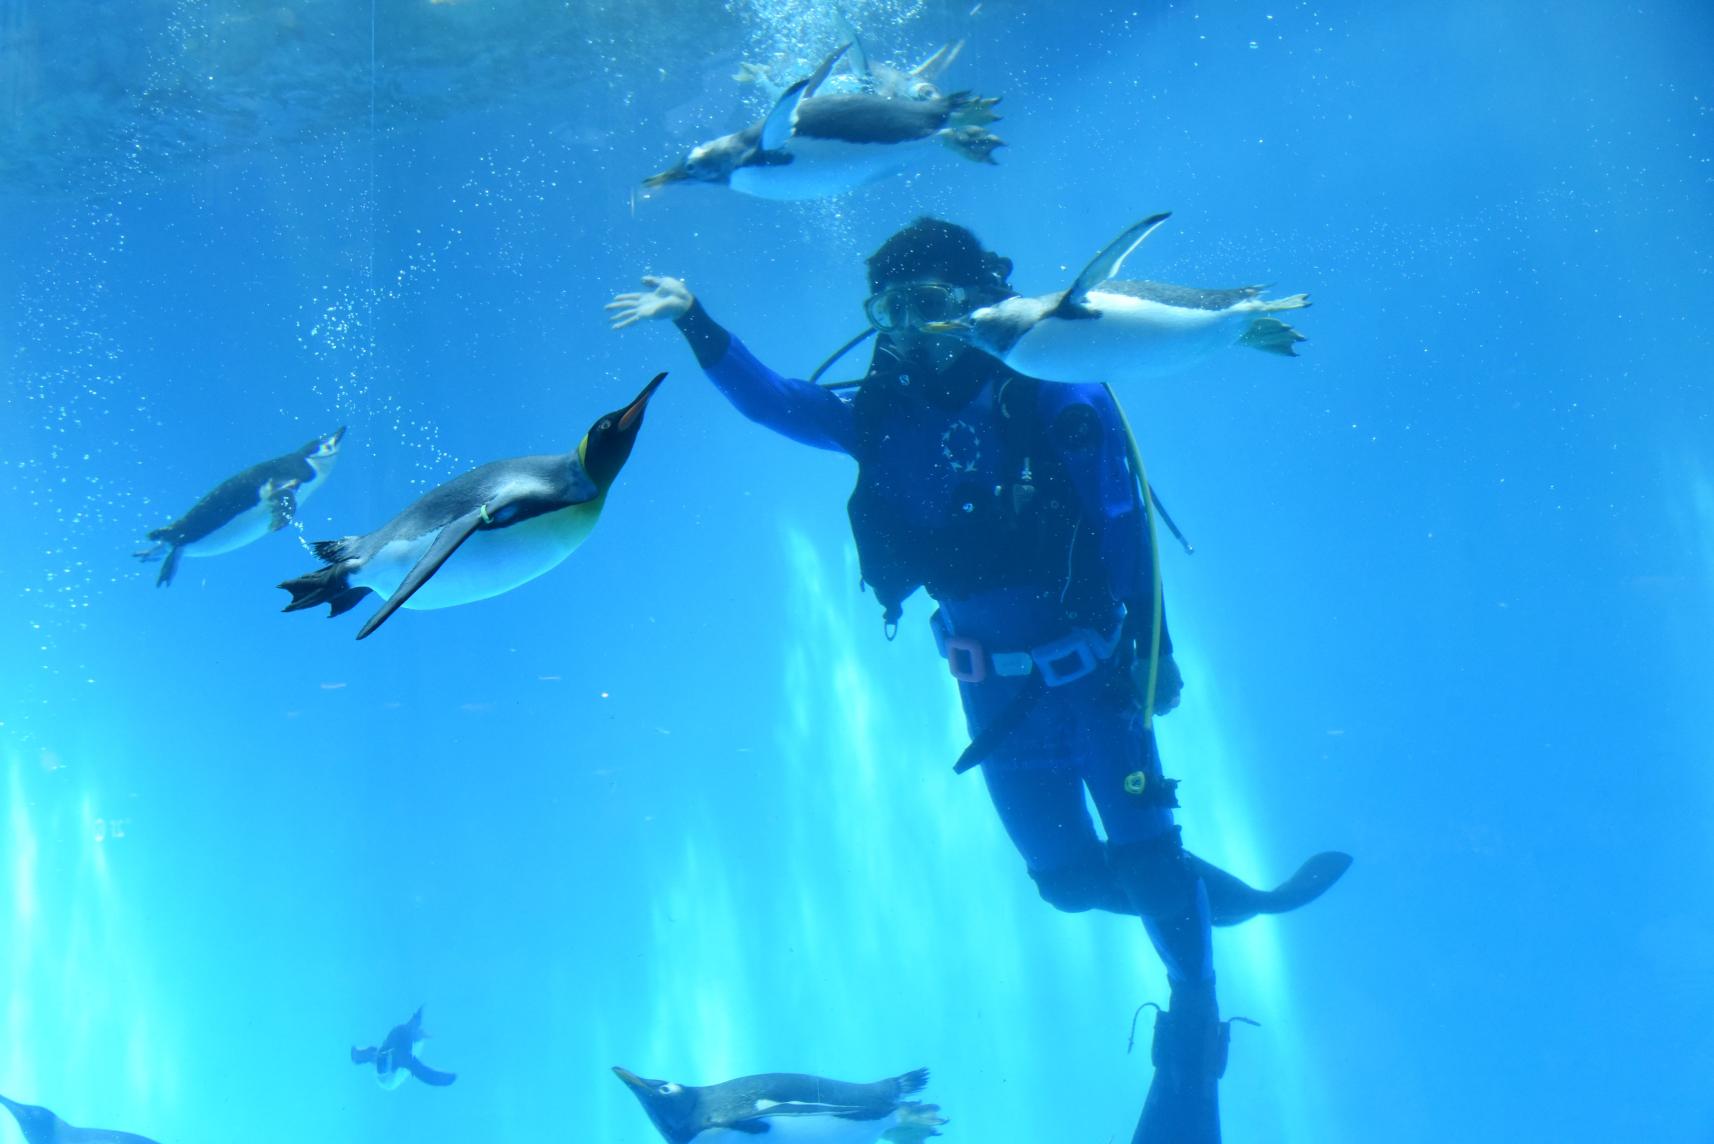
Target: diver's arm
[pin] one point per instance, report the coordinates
(801, 410)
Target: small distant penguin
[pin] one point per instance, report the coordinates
(812, 147)
(789, 1108)
(262, 499)
(509, 521)
(41, 1126)
(1105, 328)
(398, 1056)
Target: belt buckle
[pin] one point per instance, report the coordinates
(1065, 660)
(966, 660)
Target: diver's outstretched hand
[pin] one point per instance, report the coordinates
(667, 298)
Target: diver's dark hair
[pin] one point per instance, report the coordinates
(937, 248)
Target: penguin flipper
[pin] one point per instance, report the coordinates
(782, 120)
(448, 542)
(363, 1056)
(282, 506)
(1108, 263)
(428, 1075)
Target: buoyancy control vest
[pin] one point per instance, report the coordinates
(965, 489)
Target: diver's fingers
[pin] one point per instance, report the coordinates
(651, 280)
(622, 301)
(624, 320)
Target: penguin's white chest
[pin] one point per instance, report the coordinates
(250, 525)
(1133, 339)
(491, 562)
(822, 168)
(807, 1130)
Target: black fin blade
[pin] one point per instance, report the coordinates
(429, 1075)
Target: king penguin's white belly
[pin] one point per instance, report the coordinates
(807, 1130)
(821, 168)
(491, 562)
(1133, 339)
(250, 525)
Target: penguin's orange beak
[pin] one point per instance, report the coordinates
(676, 174)
(631, 1078)
(635, 410)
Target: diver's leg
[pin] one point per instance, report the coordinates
(1149, 862)
(1041, 805)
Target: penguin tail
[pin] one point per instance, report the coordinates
(324, 586)
(333, 551)
(973, 143)
(969, 110)
(917, 1122)
(914, 1081)
(1270, 335)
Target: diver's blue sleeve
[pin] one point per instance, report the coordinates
(805, 412)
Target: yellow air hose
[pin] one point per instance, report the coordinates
(1137, 781)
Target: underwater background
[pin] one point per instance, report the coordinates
(678, 805)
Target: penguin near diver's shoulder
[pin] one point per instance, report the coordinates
(263, 498)
(1110, 329)
(479, 535)
(40, 1126)
(788, 1108)
(395, 1057)
(814, 146)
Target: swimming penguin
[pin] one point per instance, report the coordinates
(788, 1108)
(40, 1126)
(811, 146)
(1105, 328)
(509, 521)
(867, 74)
(260, 500)
(398, 1056)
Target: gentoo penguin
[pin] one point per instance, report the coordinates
(811, 146)
(509, 521)
(260, 500)
(1105, 328)
(398, 1056)
(789, 1108)
(40, 1126)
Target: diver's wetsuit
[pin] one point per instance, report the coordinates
(932, 472)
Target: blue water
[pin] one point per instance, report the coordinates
(678, 805)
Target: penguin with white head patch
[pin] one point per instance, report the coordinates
(789, 1108)
(40, 1126)
(1108, 329)
(507, 521)
(815, 146)
(396, 1057)
(263, 498)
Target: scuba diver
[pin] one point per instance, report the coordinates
(1020, 506)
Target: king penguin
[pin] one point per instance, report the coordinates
(262, 499)
(812, 147)
(41, 1126)
(1108, 329)
(398, 1056)
(513, 521)
(789, 1108)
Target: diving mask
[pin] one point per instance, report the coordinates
(914, 304)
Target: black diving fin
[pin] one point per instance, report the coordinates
(1232, 900)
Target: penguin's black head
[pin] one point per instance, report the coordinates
(607, 446)
(673, 1108)
(35, 1123)
(327, 446)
